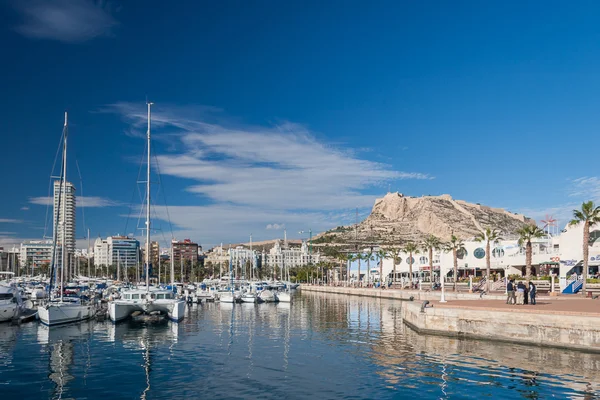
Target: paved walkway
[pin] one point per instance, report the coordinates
(564, 306)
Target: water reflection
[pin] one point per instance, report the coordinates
(323, 346)
(408, 359)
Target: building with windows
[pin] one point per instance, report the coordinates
(558, 254)
(10, 259)
(66, 216)
(154, 253)
(35, 253)
(290, 257)
(116, 249)
(184, 250)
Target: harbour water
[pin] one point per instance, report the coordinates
(320, 346)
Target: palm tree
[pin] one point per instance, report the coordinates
(358, 257)
(589, 215)
(488, 236)
(343, 258)
(411, 249)
(527, 233)
(455, 245)
(381, 254)
(395, 253)
(369, 257)
(431, 242)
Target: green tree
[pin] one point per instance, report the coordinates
(343, 259)
(411, 248)
(488, 236)
(395, 253)
(381, 254)
(430, 243)
(358, 257)
(455, 245)
(588, 215)
(526, 234)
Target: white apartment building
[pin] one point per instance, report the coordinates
(290, 257)
(35, 253)
(241, 256)
(66, 216)
(115, 250)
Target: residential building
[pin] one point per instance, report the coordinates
(116, 249)
(184, 249)
(66, 216)
(154, 253)
(290, 257)
(35, 253)
(10, 259)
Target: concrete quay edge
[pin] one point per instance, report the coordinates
(579, 331)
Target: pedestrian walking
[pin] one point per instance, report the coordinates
(510, 293)
(520, 293)
(532, 293)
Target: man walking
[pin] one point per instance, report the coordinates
(510, 293)
(532, 293)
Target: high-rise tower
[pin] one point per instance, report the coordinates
(66, 215)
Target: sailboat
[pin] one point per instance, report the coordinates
(62, 310)
(285, 296)
(146, 299)
(229, 296)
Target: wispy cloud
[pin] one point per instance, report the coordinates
(82, 202)
(10, 221)
(257, 174)
(24, 208)
(587, 187)
(577, 190)
(70, 21)
(275, 227)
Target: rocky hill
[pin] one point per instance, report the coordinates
(398, 219)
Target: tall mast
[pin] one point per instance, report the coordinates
(63, 192)
(148, 208)
(88, 256)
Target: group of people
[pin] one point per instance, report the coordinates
(520, 293)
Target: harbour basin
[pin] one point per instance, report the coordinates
(321, 345)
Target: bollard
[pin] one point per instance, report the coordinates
(443, 298)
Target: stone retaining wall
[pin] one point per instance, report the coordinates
(567, 331)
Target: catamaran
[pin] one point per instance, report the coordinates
(62, 309)
(149, 300)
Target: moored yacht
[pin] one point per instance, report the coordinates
(11, 303)
(267, 296)
(284, 297)
(63, 310)
(249, 297)
(147, 300)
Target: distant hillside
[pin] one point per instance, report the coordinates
(398, 219)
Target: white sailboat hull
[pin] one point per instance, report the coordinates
(284, 297)
(64, 313)
(267, 296)
(119, 310)
(249, 299)
(227, 298)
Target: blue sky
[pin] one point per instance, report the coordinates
(272, 114)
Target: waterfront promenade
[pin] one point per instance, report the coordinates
(562, 321)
